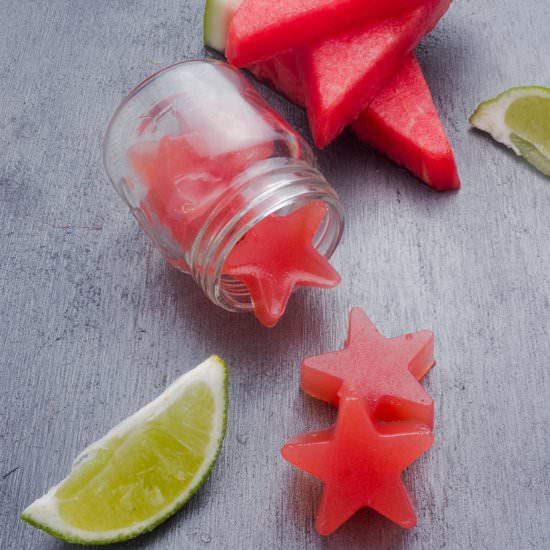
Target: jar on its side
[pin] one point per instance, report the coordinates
(200, 158)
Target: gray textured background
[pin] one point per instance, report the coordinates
(94, 324)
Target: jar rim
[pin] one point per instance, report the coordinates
(294, 184)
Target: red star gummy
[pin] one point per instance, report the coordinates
(384, 371)
(360, 463)
(276, 256)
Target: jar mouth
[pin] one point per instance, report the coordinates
(234, 295)
(285, 185)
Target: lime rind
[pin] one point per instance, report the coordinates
(490, 117)
(43, 513)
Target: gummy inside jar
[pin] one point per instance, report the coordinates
(179, 187)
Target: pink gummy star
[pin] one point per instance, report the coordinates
(360, 464)
(385, 371)
(276, 256)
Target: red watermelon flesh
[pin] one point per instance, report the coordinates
(261, 29)
(401, 122)
(281, 72)
(344, 73)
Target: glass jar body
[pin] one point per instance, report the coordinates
(200, 158)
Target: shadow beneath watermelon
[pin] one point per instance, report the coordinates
(359, 172)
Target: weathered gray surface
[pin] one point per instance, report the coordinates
(94, 324)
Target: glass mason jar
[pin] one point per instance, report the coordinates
(200, 158)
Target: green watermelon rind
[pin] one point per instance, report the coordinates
(217, 16)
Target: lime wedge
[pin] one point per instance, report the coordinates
(145, 468)
(520, 119)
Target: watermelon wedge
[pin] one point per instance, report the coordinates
(401, 122)
(281, 72)
(344, 73)
(261, 29)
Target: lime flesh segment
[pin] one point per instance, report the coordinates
(529, 118)
(520, 119)
(144, 469)
(532, 155)
(135, 476)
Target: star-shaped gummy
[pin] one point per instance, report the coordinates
(360, 464)
(385, 371)
(276, 256)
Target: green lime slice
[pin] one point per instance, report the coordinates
(144, 469)
(520, 119)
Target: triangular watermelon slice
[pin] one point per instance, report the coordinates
(261, 29)
(402, 121)
(344, 73)
(282, 73)
(412, 136)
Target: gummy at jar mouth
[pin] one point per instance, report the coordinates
(234, 295)
(287, 185)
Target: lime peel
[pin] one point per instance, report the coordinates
(211, 375)
(520, 119)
